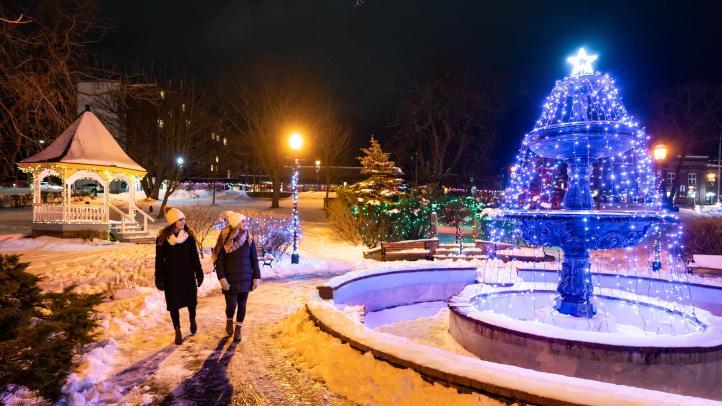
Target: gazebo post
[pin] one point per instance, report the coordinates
(106, 209)
(131, 196)
(37, 196)
(65, 195)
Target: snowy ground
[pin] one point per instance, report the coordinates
(135, 361)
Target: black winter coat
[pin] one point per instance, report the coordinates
(178, 273)
(240, 267)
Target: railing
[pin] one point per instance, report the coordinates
(43, 213)
(125, 218)
(146, 217)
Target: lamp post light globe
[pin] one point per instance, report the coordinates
(659, 152)
(295, 142)
(180, 161)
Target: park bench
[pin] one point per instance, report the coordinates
(407, 250)
(705, 264)
(266, 259)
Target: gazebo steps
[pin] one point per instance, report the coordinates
(132, 233)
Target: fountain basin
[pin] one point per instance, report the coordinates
(686, 360)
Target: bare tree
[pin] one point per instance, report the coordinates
(43, 54)
(264, 107)
(446, 126)
(690, 115)
(333, 145)
(169, 134)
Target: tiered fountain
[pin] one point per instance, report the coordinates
(589, 326)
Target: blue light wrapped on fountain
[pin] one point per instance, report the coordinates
(583, 121)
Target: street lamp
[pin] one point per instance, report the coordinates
(180, 161)
(659, 152)
(295, 143)
(318, 181)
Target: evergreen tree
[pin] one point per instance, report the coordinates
(40, 333)
(384, 176)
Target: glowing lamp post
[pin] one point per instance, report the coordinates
(295, 143)
(659, 153)
(318, 181)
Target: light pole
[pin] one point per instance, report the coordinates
(318, 181)
(660, 154)
(295, 142)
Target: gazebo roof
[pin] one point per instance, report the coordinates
(86, 143)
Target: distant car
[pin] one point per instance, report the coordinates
(49, 187)
(92, 188)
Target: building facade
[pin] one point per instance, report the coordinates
(698, 179)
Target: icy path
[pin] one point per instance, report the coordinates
(209, 369)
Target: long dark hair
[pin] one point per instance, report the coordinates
(166, 232)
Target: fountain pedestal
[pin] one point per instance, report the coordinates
(575, 287)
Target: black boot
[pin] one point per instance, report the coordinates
(229, 327)
(194, 327)
(178, 337)
(237, 332)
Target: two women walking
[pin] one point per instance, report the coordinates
(178, 271)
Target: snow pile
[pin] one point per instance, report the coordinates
(360, 377)
(366, 380)
(89, 385)
(20, 244)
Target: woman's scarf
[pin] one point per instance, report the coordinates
(229, 240)
(178, 239)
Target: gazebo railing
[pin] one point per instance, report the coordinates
(75, 213)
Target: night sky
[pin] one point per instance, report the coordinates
(366, 54)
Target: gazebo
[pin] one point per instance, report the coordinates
(85, 150)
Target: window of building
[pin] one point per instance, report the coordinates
(692, 179)
(670, 178)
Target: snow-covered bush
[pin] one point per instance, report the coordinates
(201, 219)
(342, 222)
(702, 236)
(273, 231)
(40, 333)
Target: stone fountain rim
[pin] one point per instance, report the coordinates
(460, 304)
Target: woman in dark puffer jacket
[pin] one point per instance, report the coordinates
(236, 262)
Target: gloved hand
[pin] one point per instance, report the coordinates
(224, 284)
(256, 283)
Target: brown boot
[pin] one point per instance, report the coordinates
(194, 326)
(237, 332)
(229, 327)
(178, 337)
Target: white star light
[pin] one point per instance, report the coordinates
(582, 63)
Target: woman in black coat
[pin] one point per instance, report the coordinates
(236, 262)
(178, 271)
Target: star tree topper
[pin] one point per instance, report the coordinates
(582, 63)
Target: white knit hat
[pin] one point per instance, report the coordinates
(234, 218)
(172, 214)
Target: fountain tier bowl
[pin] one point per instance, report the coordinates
(682, 355)
(585, 229)
(594, 139)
